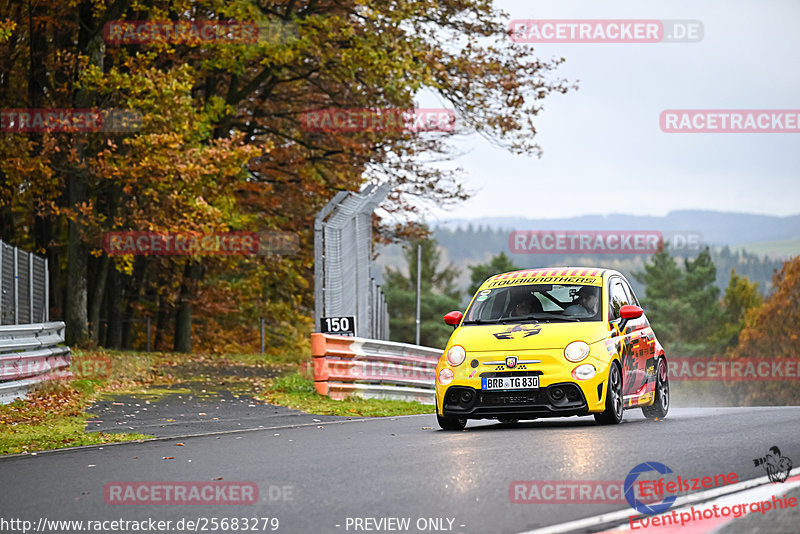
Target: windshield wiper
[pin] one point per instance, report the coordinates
(481, 321)
(532, 317)
(546, 317)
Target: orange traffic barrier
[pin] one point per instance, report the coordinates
(346, 366)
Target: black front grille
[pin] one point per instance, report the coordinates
(499, 398)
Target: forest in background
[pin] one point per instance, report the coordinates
(475, 244)
(221, 146)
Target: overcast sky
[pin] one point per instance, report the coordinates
(604, 151)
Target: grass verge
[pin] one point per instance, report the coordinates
(52, 417)
(297, 391)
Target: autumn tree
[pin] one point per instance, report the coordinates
(741, 296)
(223, 145)
(771, 332)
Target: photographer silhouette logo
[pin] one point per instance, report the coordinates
(776, 466)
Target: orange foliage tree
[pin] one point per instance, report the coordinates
(772, 331)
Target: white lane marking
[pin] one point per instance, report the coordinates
(611, 517)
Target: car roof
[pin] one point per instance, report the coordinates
(586, 275)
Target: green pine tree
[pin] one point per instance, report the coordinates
(683, 304)
(479, 273)
(438, 296)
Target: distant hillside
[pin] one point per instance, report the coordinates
(718, 228)
(753, 245)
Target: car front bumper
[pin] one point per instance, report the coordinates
(558, 395)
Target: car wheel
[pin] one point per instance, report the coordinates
(660, 405)
(451, 423)
(612, 415)
(508, 420)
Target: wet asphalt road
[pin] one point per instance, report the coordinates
(314, 477)
(186, 413)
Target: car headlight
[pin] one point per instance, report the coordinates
(456, 355)
(576, 351)
(445, 376)
(584, 372)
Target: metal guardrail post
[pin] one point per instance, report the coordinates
(46, 290)
(16, 286)
(1, 283)
(30, 288)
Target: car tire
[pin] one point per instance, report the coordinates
(660, 405)
(451, 423)
(612, 415)
(508, 420)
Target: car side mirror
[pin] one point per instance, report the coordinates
(628, 312)
(453, 318)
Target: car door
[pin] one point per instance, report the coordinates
(644, 347)
(627, 338)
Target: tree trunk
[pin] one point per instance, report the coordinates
(98, 293)
(183, 317)
(114, 338)
(161, 322)
(133, 287)
(76, 314)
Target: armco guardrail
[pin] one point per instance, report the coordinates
(30, 353)
(369, 368)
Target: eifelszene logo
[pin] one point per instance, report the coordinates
(636, 504)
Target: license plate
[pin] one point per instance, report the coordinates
(510, 382)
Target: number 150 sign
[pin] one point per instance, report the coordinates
(342, 326)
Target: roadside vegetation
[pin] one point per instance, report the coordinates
(55, 414)
(52, 417)
(296, 391)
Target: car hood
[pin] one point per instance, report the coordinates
(526, 336)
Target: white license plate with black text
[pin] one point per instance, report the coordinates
(510, 382)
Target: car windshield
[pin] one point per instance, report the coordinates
(535, 303)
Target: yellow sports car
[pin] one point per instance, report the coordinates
(551, 343)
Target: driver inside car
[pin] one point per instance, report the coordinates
(588, 300)
(525, 303)
(521, 309)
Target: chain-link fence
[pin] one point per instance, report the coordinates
(345, 284)
(24, 287)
